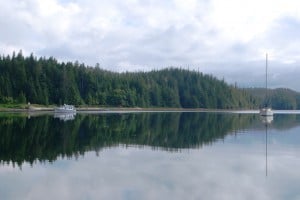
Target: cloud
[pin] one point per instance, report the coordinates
(143, 35)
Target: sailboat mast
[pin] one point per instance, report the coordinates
(266, 111)
(266, 79)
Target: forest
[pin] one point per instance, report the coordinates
(49, 82)
(279, 98)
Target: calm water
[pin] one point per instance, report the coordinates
(149, 156)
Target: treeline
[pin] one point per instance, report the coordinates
(280, 98)
(47, 81)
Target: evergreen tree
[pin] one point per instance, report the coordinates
(47, 81)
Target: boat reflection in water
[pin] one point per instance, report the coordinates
(266, 119)
(65, 116)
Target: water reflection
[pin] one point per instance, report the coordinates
(222, 156)
(267, 119)
(65, 116)
(44, 138)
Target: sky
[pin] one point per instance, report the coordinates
(228, 39)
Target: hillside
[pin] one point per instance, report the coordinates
(47, 81)
(280, 98)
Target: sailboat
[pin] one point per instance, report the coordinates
(266, 111)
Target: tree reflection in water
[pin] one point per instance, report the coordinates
(45, 138)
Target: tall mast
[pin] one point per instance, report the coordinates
(266, 79)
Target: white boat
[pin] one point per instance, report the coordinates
(65, 109)
(266, 111)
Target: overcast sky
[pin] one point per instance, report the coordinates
(226, 38)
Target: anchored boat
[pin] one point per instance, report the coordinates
(266, 111)
(65, 109)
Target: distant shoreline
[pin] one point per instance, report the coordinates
(95, 110)
(123, 109)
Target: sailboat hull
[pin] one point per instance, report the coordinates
(266, 112)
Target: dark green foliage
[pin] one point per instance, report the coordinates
(280, 98)
(46, 81)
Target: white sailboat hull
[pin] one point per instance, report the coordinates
(266, 112)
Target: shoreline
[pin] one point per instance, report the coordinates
(95, 110)
(123, 109)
